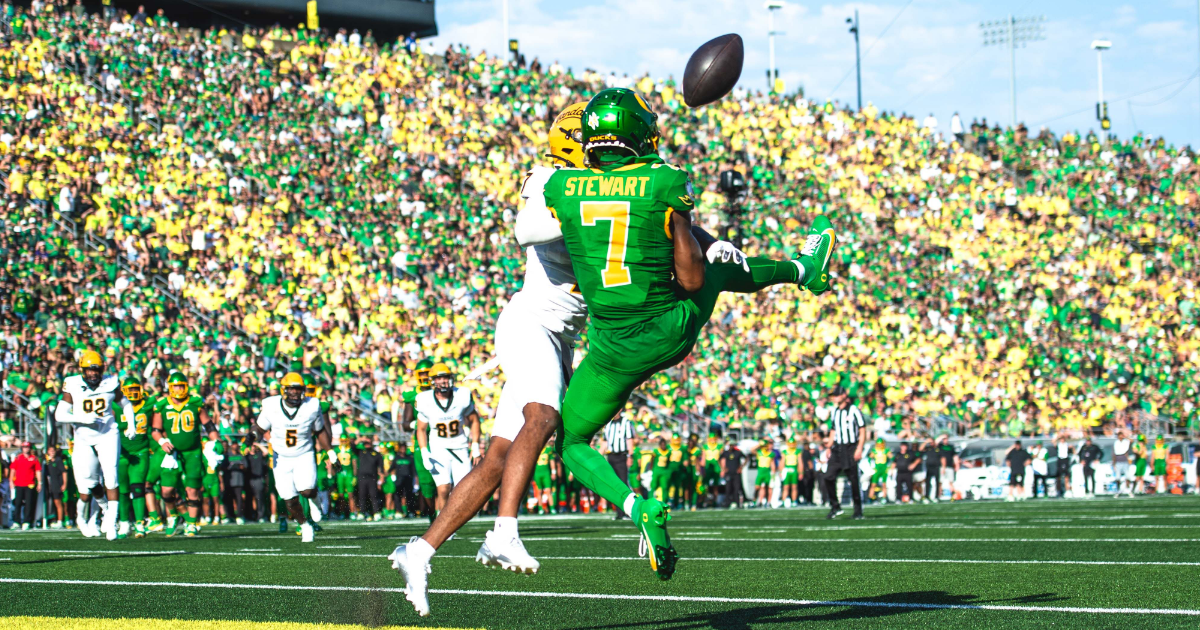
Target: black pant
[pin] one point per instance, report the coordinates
(405, 494)
(1064, 472)
(368, 495)
(27, 498)
(933, 482)
(733, 489)
(904, 486)
(258, 490)
(841, 461)
(1040, 480)
(1089, 480)
(807, 485)
(235, 503)
(620, 465)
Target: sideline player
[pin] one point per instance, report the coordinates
(535, 340)
(179, 416)
(292, 420)
(134, 464)
(87, 402)
(641, 267)
(405, 409)
(445, 415)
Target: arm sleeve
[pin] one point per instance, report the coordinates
(62, 413)
(130, 419)
(535, 223)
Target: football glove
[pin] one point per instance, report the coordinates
(725, 252)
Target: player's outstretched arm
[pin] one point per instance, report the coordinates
(689, 259)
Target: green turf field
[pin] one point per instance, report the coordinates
(1102, 563)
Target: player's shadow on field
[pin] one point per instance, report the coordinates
(879, 606)
(83, 557)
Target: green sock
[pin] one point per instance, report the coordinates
(139, 508)
(593, 471)
(304, 507)
(124, 506)
(764, 272)
(191, 520)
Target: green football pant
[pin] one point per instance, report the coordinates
(132, 469)
(762, 477)
(619, 360)
(190, 471)
(345, 484)
(211, 488)
(154, 472)
(712, 476)
(425, 480)
(660, 483)
(541, 479)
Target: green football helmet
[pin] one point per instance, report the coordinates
(618, 124)
(424, 383)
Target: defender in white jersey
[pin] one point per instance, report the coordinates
(295, 424)
(535, 341)
(88, 402)
(445, 415)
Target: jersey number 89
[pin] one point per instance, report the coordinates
(444, 430)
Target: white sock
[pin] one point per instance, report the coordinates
(421, 551)
(801, 268)
(506, 526)
(103, 503)
(82, 509)
(629, 501)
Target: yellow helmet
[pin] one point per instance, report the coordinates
(438, 370)
(90, 358)
(292, 379)
(566, 136)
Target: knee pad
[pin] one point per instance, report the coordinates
(193, 503)
(137, 490)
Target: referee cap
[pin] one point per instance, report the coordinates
(838, 391)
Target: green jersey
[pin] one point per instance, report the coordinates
(141, 418)
(181, 422)
(545, 457)
(791, 458)
(616, 224)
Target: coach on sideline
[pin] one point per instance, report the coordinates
(848, 433)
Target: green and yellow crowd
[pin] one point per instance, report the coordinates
(341, 206)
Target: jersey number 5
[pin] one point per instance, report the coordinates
(615, 272)
(446, 431)
(289, 438)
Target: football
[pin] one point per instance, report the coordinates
(713, 70)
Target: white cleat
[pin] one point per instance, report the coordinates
(108, 523)
(123, 528)
(509, 555)
(314, 511)
(416, 584)
(306, 532)
(88, 528)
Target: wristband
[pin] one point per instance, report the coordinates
(332, 455)
(163, 441)
(474, 449)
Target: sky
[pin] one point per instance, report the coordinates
(919, 56)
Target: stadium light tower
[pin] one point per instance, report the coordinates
(772, 72)
(1013, 32)
(1101, 45)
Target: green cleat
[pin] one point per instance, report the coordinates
(139, 530)
(815, 255)
(180, 527)
(650, 517)
(155, 525)
(191, 530)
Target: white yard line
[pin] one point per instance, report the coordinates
(380, 556)
(339, 547)
(655, 598)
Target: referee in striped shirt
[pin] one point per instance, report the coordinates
(617, 434)
(849, 434)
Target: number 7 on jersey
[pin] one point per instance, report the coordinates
(615, 273)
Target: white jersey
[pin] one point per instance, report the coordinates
(93, 406)
(447, 421)
(549, 277)
(291, 429)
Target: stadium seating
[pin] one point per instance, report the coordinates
(346, 208)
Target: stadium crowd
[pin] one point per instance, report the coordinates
(235, 204)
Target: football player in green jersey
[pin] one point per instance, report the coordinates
(408, 414)
(134, 464)
(712, 468)
(767, 467)
(626, 223)
(543, 480)
(346, 465)
(660, 475)
(793, 472)
(178, 418)
(691, 474)
(880, 457)
(675, 468)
